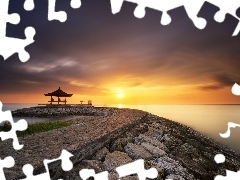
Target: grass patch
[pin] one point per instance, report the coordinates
(37, 127)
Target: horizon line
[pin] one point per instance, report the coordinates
(104, 104)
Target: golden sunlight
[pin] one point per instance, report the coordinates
(120, 95)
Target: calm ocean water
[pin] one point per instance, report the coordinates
(207, 119)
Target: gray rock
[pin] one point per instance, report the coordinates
(101, 154)
(85, 164)
(170, 141)
(130, 178)
(155, 151)
(154, 133)
(137, 152)
(118, 145)
(152, 164)
(175, 177)
(195, 167)
(115, 159)
(113, 176)
(188, 149)
(90, 164)
(173, 167)
(142, 138)
(70, 175)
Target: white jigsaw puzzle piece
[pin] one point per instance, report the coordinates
(61, 15)
(29, 5)
(236, 89)
(137, 167)
(7, 162)
(230, 125)
(20, 125)
(66, 164)
(28, 171)
(192, 8)
(75, 4)
(231, 175)
(220, 158)
(87, 173)
(9, 46)
(227, 7)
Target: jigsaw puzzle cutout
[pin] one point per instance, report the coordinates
(220, 158)
(29, 5)
(236, 89)
(20, 125)
(137, 167)
(61, 15)
(66, 164)
(230, 175)
(87, 173)
(230, 125)
(192, 8)
(9, 46)
(7, 162)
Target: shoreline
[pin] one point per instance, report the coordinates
(160, 139)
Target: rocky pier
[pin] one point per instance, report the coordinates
(112, 137)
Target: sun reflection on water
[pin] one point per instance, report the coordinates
(120, 106)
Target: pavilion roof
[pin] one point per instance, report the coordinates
(59, 93)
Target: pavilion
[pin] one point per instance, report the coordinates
(59, 94)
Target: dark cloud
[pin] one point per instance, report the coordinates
(211, 87)
(220, 81)
(94, 46)
(225, 80)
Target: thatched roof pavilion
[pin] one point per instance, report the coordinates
(58, 93)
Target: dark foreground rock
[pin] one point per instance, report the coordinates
(176, 151)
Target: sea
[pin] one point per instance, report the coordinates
(209, 120)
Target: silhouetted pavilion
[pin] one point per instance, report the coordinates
(59, 94)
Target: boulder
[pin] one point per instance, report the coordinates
(115, 159)
(101, 154)
(194, 167)
(152, 164)
(137, 152)
(155, 151)
(174, 176)
(170, 141)
(154, 133)
(172, 166)
(119, 144)
(142, 138)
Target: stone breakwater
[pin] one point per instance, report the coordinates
(176, 151)
(103, 143)
(56, 111)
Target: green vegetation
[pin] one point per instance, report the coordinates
(37, 127)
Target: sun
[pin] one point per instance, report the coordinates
(120, 95)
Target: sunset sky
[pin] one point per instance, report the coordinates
(114, 59)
